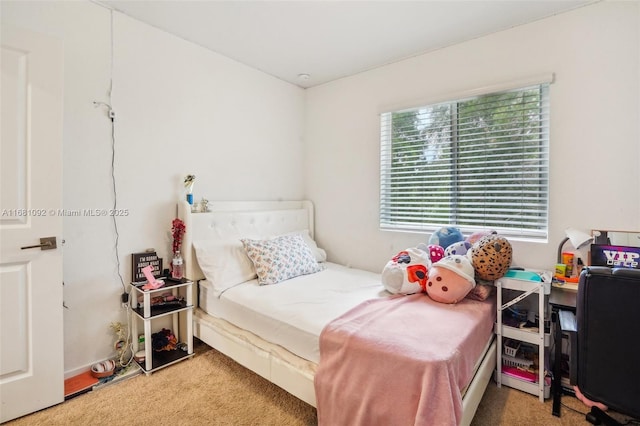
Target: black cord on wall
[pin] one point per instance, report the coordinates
(112, 116)
(126, 354)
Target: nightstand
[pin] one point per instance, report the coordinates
(565, 300)
(147, 312)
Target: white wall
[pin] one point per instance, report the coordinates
(595, 178)
(180, 109)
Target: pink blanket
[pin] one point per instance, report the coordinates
(400, 361)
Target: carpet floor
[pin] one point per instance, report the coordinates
(212, 389)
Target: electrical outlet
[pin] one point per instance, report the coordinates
(124, 299)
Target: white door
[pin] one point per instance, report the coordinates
(31, 311)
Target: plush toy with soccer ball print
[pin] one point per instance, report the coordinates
(406, 272)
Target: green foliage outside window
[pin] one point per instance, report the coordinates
(476, 163)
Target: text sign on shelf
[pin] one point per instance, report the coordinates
(142, 260)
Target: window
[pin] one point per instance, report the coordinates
(476, 163)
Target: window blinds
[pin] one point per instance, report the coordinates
(475, 163)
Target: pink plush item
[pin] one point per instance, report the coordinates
(473, 238)
(450, 279)
(407, 272)
(435, 252)
(586, 401)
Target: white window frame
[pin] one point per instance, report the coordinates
(419, 219)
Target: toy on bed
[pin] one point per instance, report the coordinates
(435, 252)
(450, 279)
(445, 242)
(406, 272)
(460, 248)
(446, 236)
(476, 236)
(491, 257)
(487, 257)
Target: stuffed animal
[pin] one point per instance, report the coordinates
(491, 257)
(407, 272)
(446, 236)
(459, 248)
(473, 238)
(450, 279)
(435, 252)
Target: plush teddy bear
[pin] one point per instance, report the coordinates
(407, 272)
(450, 279)
(491, 257)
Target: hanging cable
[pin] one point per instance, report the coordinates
(126, 352)
(112, 116)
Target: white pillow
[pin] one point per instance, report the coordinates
(224, 263)
(281, 258)
(318, 253)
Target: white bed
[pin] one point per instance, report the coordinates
(287, 351)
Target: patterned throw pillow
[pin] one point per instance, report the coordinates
(280, 258)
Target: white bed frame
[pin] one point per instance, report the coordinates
(238, 219)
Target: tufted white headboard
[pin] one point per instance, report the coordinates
(228, 220)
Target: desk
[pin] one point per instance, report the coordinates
(565, 300)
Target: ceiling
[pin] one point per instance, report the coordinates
(308, 43)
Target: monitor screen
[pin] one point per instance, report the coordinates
(615, 256)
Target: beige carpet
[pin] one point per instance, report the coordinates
(211, 389)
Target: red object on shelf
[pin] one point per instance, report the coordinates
(573, 279)
(519, 374)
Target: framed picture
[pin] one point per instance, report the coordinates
(142, 260)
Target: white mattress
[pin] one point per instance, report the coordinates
(292, 313)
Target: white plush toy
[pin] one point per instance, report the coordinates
(407, 272)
